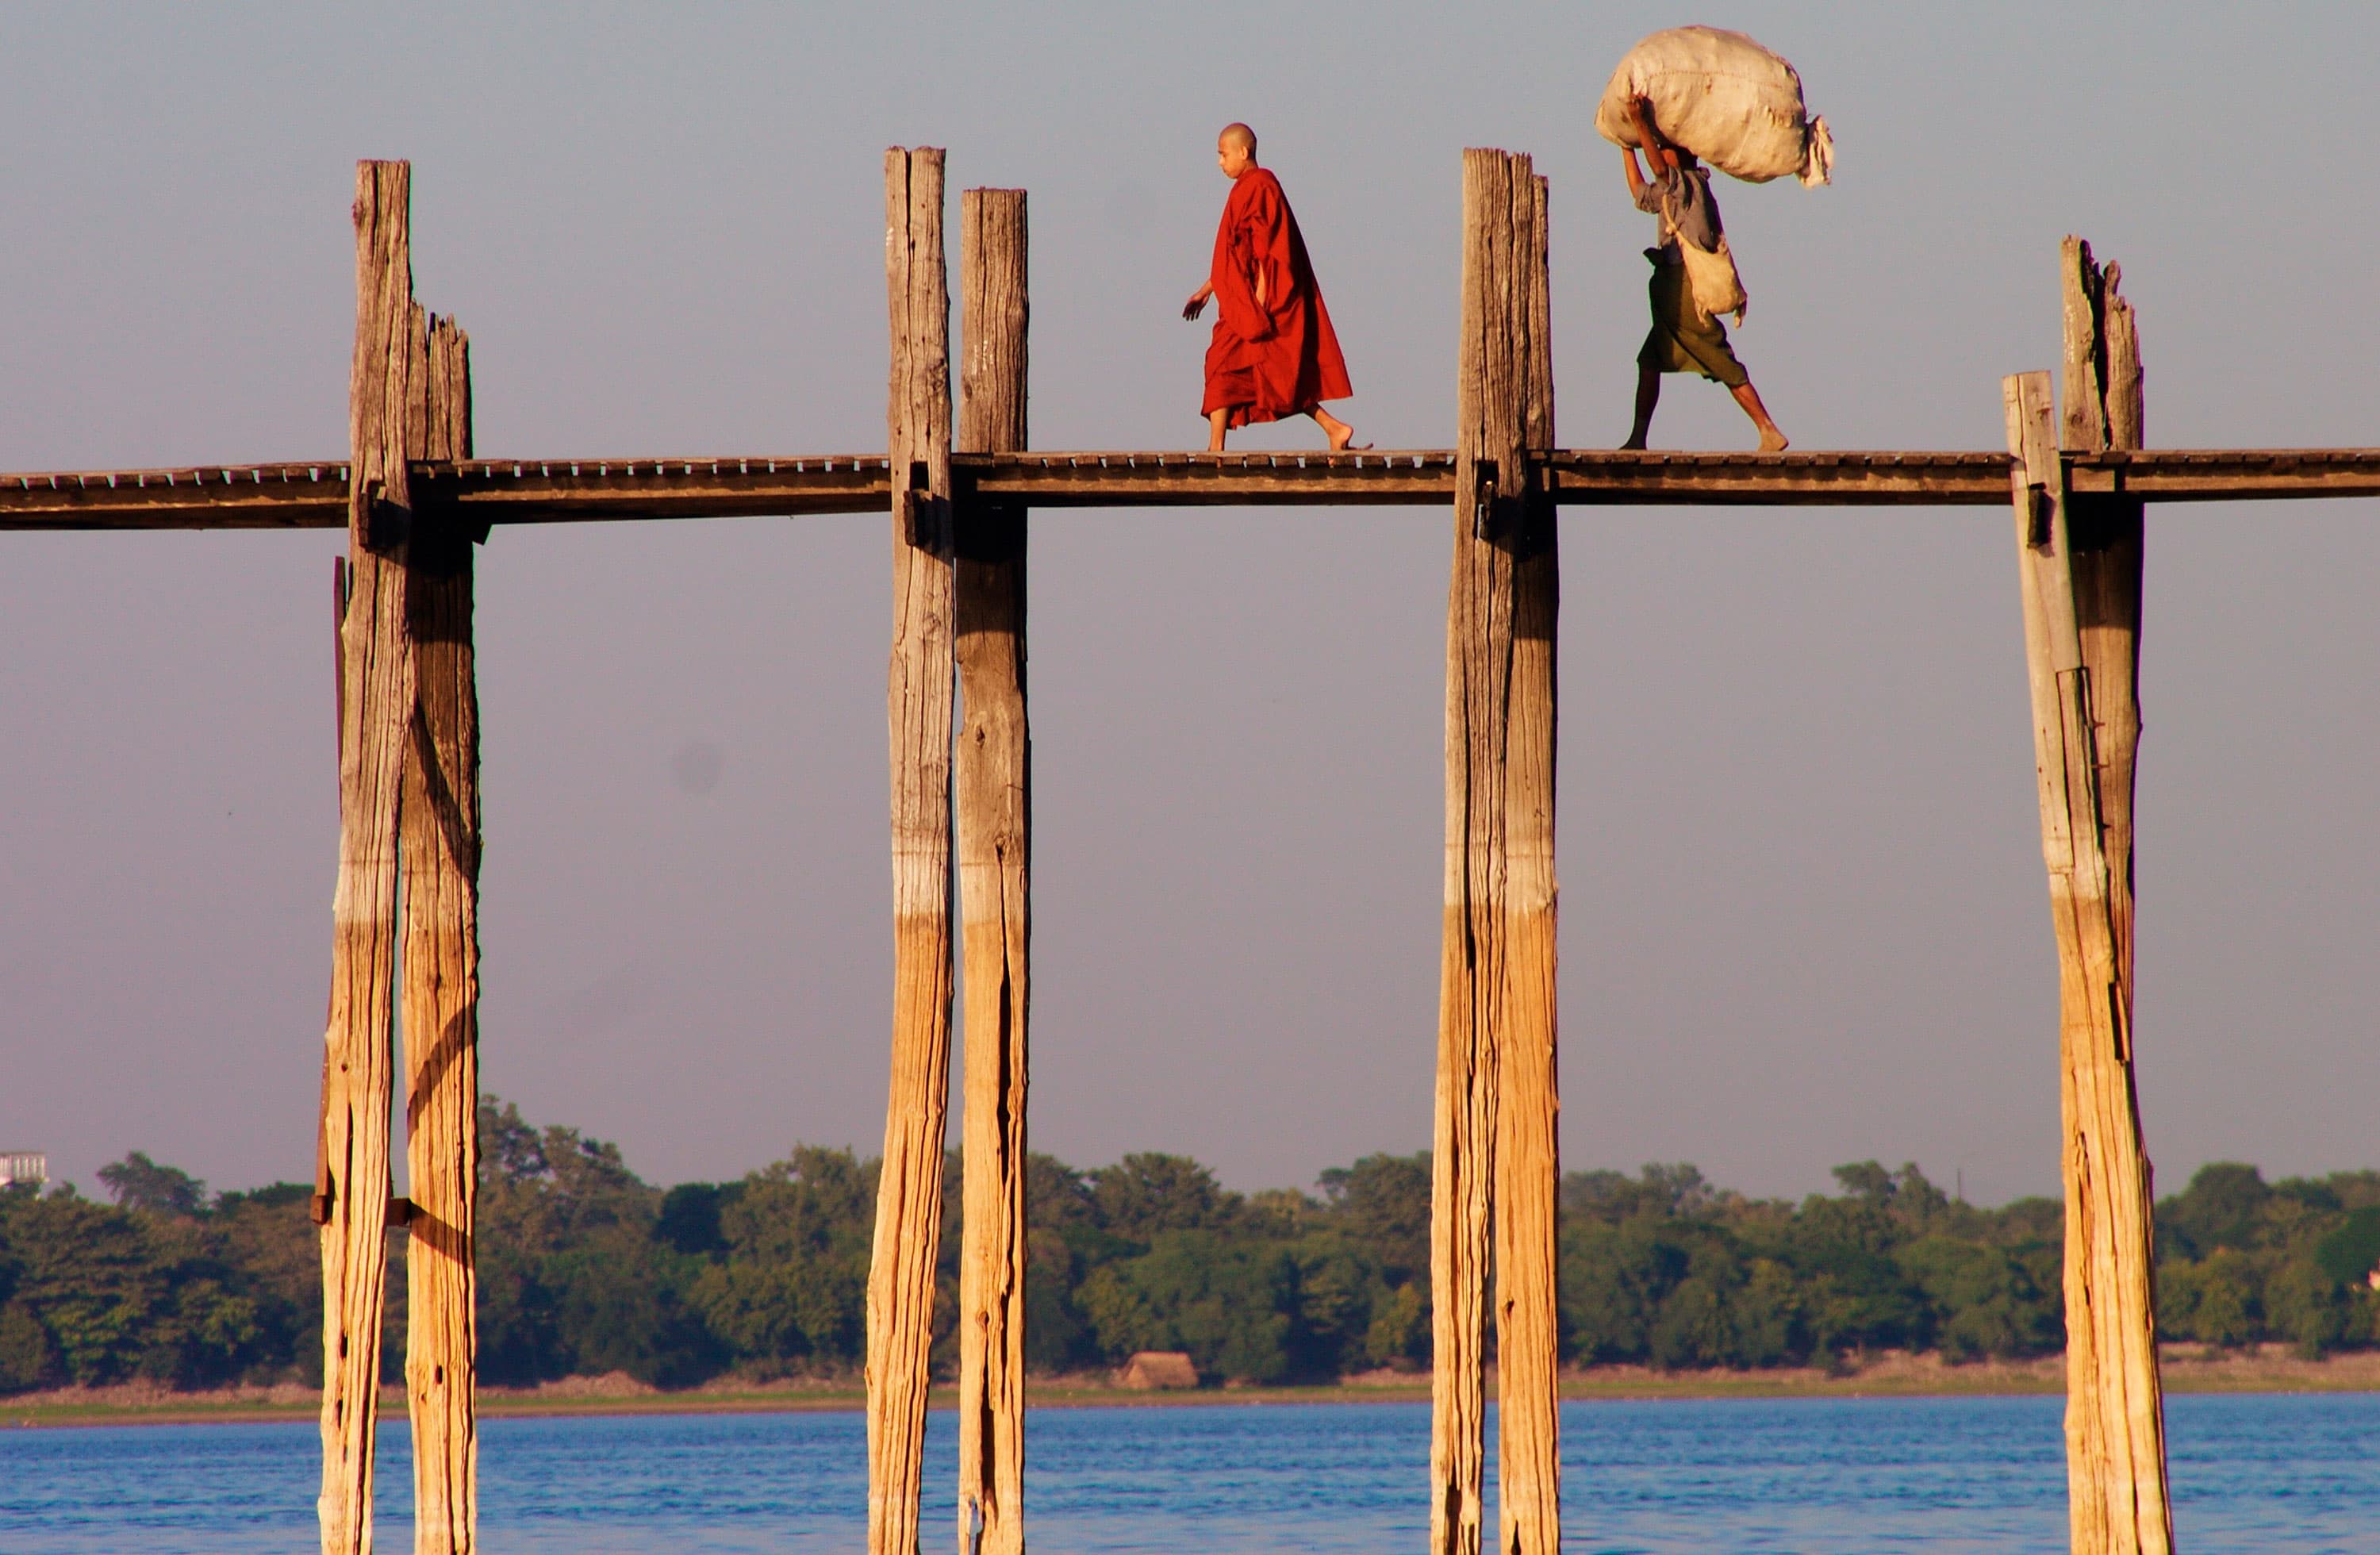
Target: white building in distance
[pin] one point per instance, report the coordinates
(24, 1166)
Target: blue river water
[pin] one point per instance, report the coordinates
(2262, 1473)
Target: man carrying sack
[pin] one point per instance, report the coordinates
(1694, 280)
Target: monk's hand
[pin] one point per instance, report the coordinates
(1197, 303)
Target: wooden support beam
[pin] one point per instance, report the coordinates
(601, 491)
(2117, 1496)
(1498, 717)
(439, 830)
(1604, 476)
(2115, 1432)
(391, 360)
(994, 787)
(568, 491)
(1527, 1169)
(1412, 477)
(909, 1190)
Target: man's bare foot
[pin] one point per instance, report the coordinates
(1771, 440)
(1636, 443)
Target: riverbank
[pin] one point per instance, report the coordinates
(2188, 1368)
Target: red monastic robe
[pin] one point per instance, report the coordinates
(1281, 360)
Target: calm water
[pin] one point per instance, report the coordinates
(1844, 1476)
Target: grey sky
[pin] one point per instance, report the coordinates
(1803, 915)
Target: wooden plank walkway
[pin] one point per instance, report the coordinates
(314, 495)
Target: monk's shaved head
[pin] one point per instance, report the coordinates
(1235, 150)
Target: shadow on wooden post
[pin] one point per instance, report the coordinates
(1493, 1153)
(994, 787)
(909, 1190)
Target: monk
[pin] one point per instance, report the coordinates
(1273, 354)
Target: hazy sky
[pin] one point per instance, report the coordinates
(1803, 913)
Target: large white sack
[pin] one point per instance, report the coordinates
(1723, 97)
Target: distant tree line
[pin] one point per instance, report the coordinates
(585, 1269)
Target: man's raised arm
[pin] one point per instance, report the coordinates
(1657, 154)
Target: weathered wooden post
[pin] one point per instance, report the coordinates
(909, 1191)
(376, 701)
(1497, 973)
(1527, 1168)
(439, 829)
(2080, 571)
(994, 787)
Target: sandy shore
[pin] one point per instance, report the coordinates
(2188, 1368)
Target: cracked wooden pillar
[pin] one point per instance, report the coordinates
(909, 1190)
(995, 789)
(1497, 970)
(2079, 556)
(1526, 1165)
(376, 701)
(439, 829)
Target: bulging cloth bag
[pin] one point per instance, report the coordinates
(1723, 97)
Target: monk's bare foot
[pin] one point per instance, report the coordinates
(1774, 441)
(1341, 434)
(1636, 444)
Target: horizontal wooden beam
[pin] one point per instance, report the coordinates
(304, 496)
(2227, 474)
(560, 491)
(1410, 478)
(1579, 476)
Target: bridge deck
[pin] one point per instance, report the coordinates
(314, 495)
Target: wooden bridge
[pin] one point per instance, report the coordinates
(412, 496)
(489, 491)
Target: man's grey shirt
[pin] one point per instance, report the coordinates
(1686, 191)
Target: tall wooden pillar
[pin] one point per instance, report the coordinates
(439, 828)
(1496, 1011)
(1527, 1168)
(376, 700)
(994, 788)
(909, 1191)
(2080, 568)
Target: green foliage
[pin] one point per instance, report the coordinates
(1989, 1302)
(1231, 1304)
(2349, 1253)
(786, 1287)
(137, 1183)
(1383, 1201)
(1142, 1197)
(29, 1357)
(2219, 1209)
(585, 1268)
(95, 1293)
